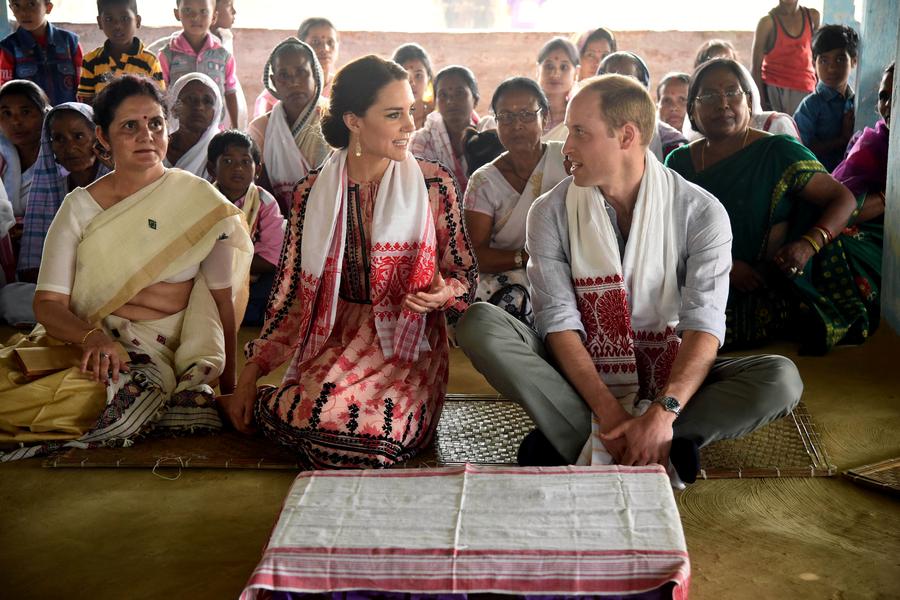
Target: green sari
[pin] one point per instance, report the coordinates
(758, 187)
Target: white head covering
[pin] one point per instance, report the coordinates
(194, 160)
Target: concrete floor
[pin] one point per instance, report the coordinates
(127, 533)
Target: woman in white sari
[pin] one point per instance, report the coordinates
(558, 64)
(137, 288)
(195, 113)
(290, 135)
(501, 192)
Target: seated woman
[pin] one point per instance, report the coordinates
(558, 64)
(290, 135)
(414, 59)
(626, 63)
(785, 210)
(764, 120)
(375, 257)
(195, 111)
(501, 192)
(136, 281)
(321, 35)
(593, 47)
(444, 136)
(22, 108)
(67, 160)
(864, 172)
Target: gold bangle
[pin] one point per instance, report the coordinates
(84, 339)
(812, 242)
(825, 235)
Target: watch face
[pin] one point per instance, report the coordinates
(671, 404)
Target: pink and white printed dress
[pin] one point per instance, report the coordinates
(349, 406)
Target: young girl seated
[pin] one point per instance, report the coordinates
(22, 108)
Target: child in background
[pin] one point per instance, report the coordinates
(782, 56)
(196, 50)
(37, 51)
(225, 14)
(825, 117)
(233, 163)
(122, 52)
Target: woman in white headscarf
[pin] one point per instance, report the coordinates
(195, 113)
(290, 135)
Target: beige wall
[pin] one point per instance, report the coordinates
(491, 56)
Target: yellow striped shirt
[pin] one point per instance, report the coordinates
(99, 68)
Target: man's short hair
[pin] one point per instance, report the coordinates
(105, 4)
(231, 137)
(624, 100)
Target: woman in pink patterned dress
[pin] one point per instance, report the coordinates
(375, 257)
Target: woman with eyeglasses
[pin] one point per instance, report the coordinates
(443, 138)
(289, 136)
(195, 112)
(789, 277)
(501, 192)
(322, 37)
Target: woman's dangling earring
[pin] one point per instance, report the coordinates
(357, 151)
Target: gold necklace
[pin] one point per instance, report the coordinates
(703, 149)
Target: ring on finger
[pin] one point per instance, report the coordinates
(104, 355)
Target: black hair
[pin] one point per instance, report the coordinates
(708, 48)
(833, 37)
(293, 44)
(354, 90)
(563, 44)
(311, 23)
(703, 70)
(481, 148)
(673, 76)
(408, 52)
(29, 89)
(464, 72)
(231, 137)
(105, 4)
(119, 89)
(643, 71)
(521, 84)
(601, 33)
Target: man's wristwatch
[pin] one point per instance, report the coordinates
(519, 259)
(670, 404)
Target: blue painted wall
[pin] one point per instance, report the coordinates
(878, 48)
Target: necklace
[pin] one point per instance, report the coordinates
(703, 149)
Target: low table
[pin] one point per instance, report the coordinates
(466, 530)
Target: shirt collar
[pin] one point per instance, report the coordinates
(181, 44)
(136, 48)
(829, 93)
(27, 39)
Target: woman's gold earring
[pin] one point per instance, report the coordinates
(357, 151)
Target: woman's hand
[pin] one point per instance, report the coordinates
(101, 358)
(434, 299)
(745, 278)
(238, 407)
(792, 258)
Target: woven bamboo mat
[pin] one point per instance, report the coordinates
(883, 476)
(476, 429)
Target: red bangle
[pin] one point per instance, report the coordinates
(829, 237)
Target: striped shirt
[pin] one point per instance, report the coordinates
(100, 67)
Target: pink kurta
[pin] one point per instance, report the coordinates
(350, 406)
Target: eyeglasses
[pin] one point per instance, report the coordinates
(716, 97)
(523, 116)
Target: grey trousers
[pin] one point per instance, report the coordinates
(738, 396)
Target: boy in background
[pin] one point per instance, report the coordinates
(225, 14)
(122, 52)
(37, 51)
(825, 117)
(196, 50)
(234, 163)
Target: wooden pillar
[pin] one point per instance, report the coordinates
(890, 303)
